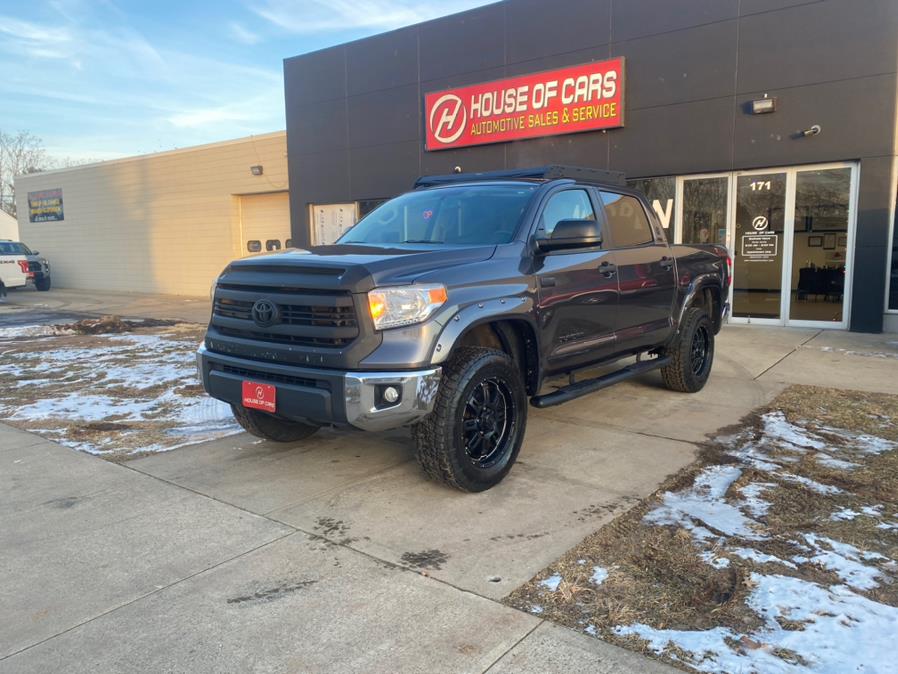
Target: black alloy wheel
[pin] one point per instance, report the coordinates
(691, 354)
(489, 416)
(473, 436)
(701, 340)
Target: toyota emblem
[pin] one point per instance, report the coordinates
(265, 313)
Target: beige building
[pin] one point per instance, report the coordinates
(9, 228)
(159, 223)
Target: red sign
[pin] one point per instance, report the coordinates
(569, 100)
(259, 396)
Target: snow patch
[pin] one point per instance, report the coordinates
(841, 632)
(702, 507)
(552, 582)
(599, 574)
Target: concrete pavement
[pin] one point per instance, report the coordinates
(109, 302)
(335, 554)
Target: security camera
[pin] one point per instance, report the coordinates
(456, 169)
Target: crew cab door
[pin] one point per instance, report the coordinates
(577, 288)
(646, 272)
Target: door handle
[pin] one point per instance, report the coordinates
(608, 269)
(666, 262)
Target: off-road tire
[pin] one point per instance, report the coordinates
(270, 427)
(43, 284)
(441, 447)
(680, 375)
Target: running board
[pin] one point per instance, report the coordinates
(582, 388)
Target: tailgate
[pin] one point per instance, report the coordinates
(13, 270)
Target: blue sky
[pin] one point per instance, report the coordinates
(107, 78)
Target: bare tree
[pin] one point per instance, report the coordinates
(20, 153)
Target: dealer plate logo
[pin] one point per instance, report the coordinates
(448, 118)
(265, 313)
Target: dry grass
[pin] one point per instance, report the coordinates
(657, 575)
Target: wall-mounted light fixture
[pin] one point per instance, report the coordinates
(256, 170)
(763, 106)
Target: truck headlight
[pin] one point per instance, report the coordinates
(404, 305)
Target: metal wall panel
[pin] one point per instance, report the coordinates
(484, 46)
(382, 62)
(637, 18)
(536, 28)
(680, 66)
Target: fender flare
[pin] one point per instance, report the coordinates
(696, 286)
(477, 313)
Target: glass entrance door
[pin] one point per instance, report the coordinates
(790, 232)
(758, 246)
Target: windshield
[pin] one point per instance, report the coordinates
(13, 248)
(462, 215)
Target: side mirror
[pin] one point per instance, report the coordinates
(570, 234)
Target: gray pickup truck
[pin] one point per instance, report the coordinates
(450, 307)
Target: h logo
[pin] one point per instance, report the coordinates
(448, 118)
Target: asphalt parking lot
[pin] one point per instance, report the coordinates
(335, 554)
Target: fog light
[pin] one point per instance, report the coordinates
(391, 395)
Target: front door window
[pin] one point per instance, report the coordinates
(758, 245)
(820, 245)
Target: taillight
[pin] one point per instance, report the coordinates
(729, 270)
(24, 265)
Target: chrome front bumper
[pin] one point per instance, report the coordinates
(353, 398)
(418, 392)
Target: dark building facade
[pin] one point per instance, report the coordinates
(804, 195)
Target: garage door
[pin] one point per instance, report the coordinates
(265, 222)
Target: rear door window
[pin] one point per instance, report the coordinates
(627, 221)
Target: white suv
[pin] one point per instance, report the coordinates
(20, 266)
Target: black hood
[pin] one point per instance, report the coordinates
(355, 267)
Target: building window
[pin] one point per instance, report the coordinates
(661, 193)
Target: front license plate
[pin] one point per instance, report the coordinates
(259, 396)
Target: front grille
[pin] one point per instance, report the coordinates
(292, 314)
(34, 266)
(307, 317)
(299, 340)
(256, 375)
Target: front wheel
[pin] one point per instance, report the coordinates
(472, 438)
(43, 284)
(692, 354)
(270, 427)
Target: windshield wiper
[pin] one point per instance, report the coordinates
(420, 241)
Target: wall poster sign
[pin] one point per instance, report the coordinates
(586, 97)
(45, 206)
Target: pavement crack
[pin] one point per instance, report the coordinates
(513, 646)
(816, 334)
(152, 592)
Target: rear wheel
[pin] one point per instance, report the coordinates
(692, 354)
(43, 284)
(270, 427)
(472, 438)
